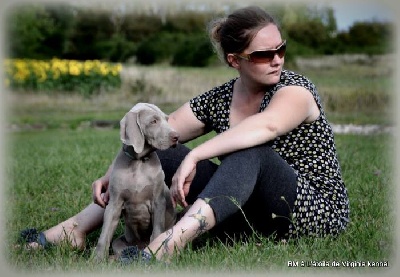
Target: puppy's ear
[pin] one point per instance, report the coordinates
(130, 131)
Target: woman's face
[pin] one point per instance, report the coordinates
(266, 73)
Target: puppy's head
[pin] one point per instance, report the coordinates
(145, 125)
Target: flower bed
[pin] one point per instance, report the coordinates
(86, 77)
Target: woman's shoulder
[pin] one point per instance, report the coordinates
(291, 78)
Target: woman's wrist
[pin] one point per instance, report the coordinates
(193, 156)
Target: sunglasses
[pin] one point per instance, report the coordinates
(265, 56)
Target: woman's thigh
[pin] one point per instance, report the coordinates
(256, 181)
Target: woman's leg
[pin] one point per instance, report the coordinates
(75, 228)
(197, 220)
(258, 181)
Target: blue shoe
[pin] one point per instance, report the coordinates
(30, 235)
(132, 254)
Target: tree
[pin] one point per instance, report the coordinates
(374, 37)
(89, 28)
(62, 17)
(27, 29)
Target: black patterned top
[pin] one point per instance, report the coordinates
(322, 205)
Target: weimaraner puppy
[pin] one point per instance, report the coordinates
(137, 187)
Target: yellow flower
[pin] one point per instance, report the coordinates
(88, 67)
(42, 77)
(116, 69)
(74, 68)
(104, 69)
(56, 74)
(21, 75)
(18, 71)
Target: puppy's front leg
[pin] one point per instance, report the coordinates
(158, 216)
(111, 217)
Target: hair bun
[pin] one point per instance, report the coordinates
(215, 29)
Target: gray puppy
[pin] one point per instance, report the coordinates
(137, 187)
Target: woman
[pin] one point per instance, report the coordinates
(278, 167)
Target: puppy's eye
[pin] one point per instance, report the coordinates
(154, 121)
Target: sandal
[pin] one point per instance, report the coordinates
(132, 254)
(31, 235)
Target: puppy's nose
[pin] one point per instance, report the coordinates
(174, 137)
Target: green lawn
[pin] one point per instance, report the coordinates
(50, 175)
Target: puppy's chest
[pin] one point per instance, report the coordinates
(136, 178)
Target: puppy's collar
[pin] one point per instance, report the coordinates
(133, 156)
(129, 155)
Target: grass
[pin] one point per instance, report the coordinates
(50, 175)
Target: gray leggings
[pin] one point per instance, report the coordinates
(257, 178)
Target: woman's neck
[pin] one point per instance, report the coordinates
(245, 102)
(249, 89)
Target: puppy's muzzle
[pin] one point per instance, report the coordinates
(173, 138)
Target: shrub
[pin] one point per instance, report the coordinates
(194, 51)
(115, 49)
(158, 48)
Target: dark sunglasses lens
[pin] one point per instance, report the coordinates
(268, 55)
(262, 56)
(281, 51)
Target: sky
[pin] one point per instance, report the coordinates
(346, 13)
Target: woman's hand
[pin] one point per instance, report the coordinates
(100, 191)
(182, 180)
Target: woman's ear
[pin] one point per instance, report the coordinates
(233, 60)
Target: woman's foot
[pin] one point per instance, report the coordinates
(63, 232)
(133, 254)
(32, 238)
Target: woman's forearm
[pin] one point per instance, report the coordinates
(250, 132)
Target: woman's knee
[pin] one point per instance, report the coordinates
(177, 153)
(172, 158)
(254, 156)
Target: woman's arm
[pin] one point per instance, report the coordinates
(186, 123)
(288, 108)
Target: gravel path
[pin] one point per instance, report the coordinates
(361, 129)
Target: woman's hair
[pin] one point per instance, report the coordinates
(234, 33)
